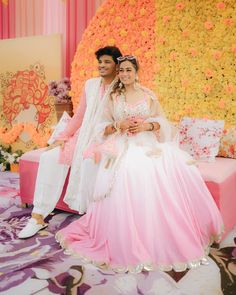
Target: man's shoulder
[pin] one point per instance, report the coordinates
(92, 81)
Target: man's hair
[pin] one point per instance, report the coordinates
(112, 51)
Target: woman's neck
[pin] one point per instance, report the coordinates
(129, 88)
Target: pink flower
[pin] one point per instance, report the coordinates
(166, 19)
(185, 33)
(229, 88)
(173, 55)
(60, 90)
(193, 52)
(158, 67)
(207, 89)
(180, 6)
(220, 5)
(217, 55)
(233, 48)
(232, 149)
(208, 25)
(161, 40)
(184, 83)
(228, 21)
(221, 104)
(209, 73)
(188, 109)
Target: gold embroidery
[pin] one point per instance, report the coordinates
(144, 266)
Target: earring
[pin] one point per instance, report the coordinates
(120, 85)
(136, 85)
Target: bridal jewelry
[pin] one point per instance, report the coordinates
(115, 125)
(120, 85)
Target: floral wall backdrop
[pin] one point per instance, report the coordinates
(128, 24)
(196, 56)
(187, 52)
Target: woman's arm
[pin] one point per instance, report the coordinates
(121, 126)
(144, 126)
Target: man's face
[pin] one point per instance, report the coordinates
(106, 66)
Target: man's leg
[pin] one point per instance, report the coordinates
(49, 185)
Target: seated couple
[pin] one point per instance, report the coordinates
(146, 207)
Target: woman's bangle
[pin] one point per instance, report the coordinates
(117, 128)
(153, 126)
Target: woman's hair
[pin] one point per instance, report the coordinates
(112, 51)
(118, 86)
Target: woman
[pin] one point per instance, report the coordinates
(150, 207)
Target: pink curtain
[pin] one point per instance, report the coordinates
(55, 22)
(7, 20)
(29, 17)
(69, 18)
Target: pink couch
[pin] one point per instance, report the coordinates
(28, 172)
(219, 176)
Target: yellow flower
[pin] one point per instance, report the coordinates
(144, 33)
(123, 33)
(111, 42)
(142, 11)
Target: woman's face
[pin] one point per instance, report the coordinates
(127, 73)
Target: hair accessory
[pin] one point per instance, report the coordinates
(126, 57)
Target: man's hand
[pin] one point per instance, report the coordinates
(60, 143)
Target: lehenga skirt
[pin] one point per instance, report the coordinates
(158, 214)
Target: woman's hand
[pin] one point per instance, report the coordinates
(143, 126)
(140, 127)
(125, 125)
(60, 143)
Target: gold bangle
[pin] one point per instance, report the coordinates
(153, 126)
(116, 127)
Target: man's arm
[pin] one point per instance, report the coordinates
(76, 121)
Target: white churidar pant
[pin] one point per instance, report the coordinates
(49, 183)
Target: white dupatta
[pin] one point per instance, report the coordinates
(94, 110)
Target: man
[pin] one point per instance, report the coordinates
(68, 149)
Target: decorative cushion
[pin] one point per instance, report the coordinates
(201, 137)
(61, 125)
(228, 143)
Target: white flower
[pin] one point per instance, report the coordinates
(10, 158)
(2, 167)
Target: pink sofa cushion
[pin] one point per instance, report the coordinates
(217, 171)
(33, 156)
(28, 172)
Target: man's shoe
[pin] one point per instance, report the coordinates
(31, 228)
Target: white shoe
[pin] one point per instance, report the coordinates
(31, 228)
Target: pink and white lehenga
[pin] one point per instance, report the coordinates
(150, 209)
